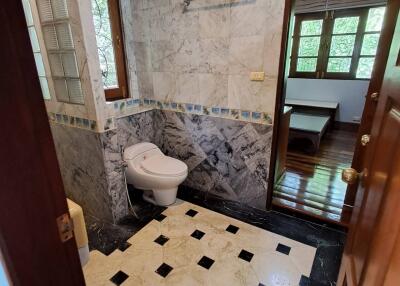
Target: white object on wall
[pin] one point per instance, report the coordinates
(350, 94)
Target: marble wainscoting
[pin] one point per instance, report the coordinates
(226, 158)
(81, 162)
(130, 130)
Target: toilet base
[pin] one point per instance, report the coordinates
(164, 197)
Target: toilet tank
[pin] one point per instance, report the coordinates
(139, 150)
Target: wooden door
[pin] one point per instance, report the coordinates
(31, 189)
(370, 106)
(372, 250)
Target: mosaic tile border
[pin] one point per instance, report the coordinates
(123, 106)
(73, 121)
(127, 107)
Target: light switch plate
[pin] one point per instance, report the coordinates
(257, 76)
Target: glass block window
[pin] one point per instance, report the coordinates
(336, 44)
(36, 50)
(59, 43)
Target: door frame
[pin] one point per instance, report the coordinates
(283, 73)
(368, 111)
(32, 195)
(375, 85)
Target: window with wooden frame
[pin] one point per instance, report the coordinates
(338, 44)
(110, 46)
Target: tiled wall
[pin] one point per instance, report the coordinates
(227, 158)
(81, 160)
(205, 55)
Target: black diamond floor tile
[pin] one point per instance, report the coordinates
(124, 246)
(164, 270)
(191, 213)
(232, 229)
(160, 217)
(246, 255)
(119, 278)
(283, 249)
(304, 281)
(206, 262)
(197, 234)
(161, 240)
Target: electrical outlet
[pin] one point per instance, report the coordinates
(257, 76)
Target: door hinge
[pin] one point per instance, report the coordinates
(65, 227)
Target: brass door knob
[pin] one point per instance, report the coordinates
(375, 96)
(350, 176)
(365, 139)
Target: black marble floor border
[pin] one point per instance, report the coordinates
(328, 241)
(107, 237)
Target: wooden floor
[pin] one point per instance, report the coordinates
(312, 184)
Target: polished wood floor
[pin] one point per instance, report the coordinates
(312, 184)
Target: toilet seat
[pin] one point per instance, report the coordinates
(164, 166)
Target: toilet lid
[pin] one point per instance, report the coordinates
(164, 165)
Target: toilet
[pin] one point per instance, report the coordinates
(158, 175)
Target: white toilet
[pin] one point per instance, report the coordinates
(158, 175)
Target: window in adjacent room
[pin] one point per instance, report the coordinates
(108, 28)
(336, 44)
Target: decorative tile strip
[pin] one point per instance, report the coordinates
(132, 106)
(235, 114)
(73, 121)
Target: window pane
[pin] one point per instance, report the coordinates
(345, 25)
(313, 27)
(28, 13)
(365, 66)
(306, 64)
(104, 43)
(309, 46)
(370, 44)
(339, 64)
(375, 19)
(39, 64)
(342, 45)
(34, 39)
(45, 87)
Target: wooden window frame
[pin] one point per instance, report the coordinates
(328, 18)
(121, 91)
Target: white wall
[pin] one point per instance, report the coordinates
(349, 93)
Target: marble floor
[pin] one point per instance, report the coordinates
(191, 245)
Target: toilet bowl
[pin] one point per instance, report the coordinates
(158, 175)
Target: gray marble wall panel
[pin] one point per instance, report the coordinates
(81, 161)
(206, 54)
(225, 157)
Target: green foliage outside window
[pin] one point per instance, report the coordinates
(104, 43)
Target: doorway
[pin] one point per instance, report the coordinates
(331, 69)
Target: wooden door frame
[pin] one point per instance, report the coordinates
(283, 74)
(393, 12)
(368, 111)
(31, 189)
(370, 104)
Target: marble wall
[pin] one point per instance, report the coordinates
(81, 162)
(227, 158)
(205, 55)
